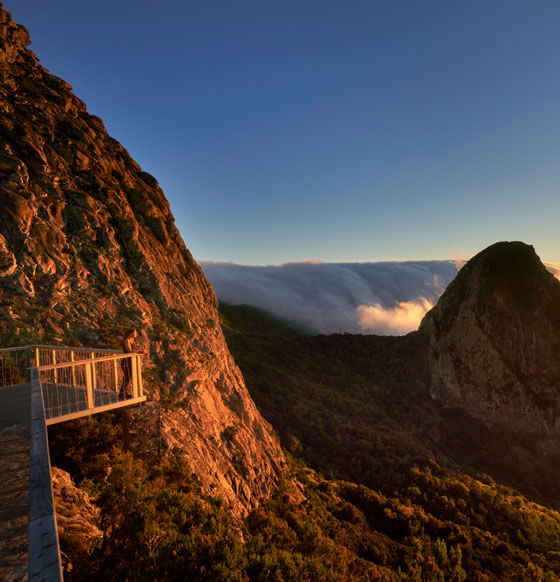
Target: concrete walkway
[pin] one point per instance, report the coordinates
(15, 444)
(28, 539)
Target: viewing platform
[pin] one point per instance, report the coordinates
(39, 386)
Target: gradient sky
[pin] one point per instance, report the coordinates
(336, 131)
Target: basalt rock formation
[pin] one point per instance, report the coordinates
(88, 248)
(495, 339)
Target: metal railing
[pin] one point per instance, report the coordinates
(15, 364)
(76, 381)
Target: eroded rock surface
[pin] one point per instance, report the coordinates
(89, 248)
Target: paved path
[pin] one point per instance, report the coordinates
(15, 444)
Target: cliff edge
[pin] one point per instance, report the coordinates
(88, 248)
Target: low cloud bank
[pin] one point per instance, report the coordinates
(401, 319)
(554, 269)
(388, 298)
(382, 298)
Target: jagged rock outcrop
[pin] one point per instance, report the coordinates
(76, 514)
(495, 339)
(88, 248)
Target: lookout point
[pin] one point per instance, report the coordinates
(42, 385)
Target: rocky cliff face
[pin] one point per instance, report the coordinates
(88, 248)
(495, 339)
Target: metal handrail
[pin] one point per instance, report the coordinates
(60, 347)
(117, 356)
(89, 380)
(81, 387)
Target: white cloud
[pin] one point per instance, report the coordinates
(401, 319)
(337, 297)
(554, 269)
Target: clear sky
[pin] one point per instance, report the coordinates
(288, 130)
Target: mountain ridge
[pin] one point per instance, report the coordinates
(89, 249)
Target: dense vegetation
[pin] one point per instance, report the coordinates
(159, 526)
(357, 408)
(395, 488)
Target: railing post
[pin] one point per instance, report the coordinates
(89, 385)
(55, 371)
(73, 368)
(116, 375)
(93, 376)
(37, 359)
(134, 372)
(139, 370)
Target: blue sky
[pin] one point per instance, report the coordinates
(335, 131)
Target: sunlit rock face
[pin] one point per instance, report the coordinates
(495, 338)
(88, 248)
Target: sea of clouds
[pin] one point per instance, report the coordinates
(380, 298)
(388, 298)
